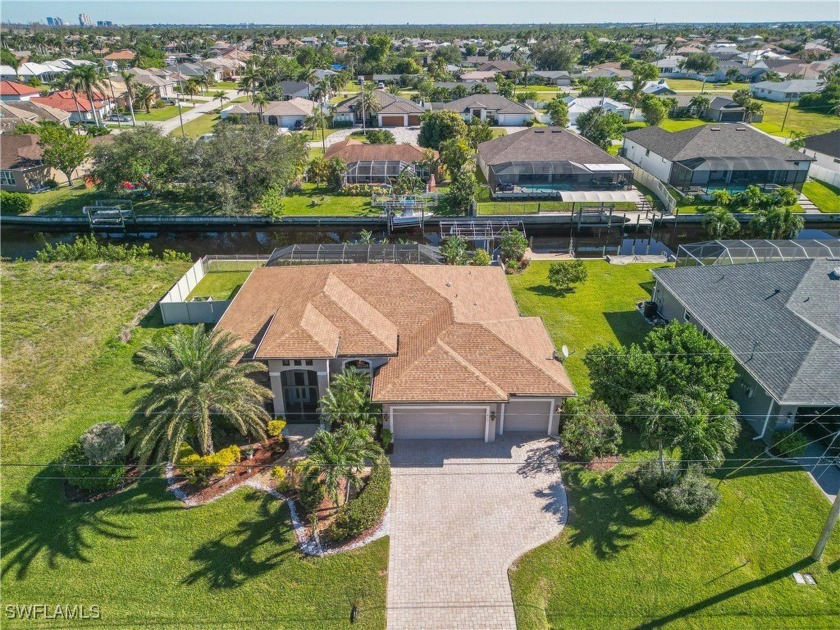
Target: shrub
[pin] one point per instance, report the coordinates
(387, 436)
(201, 468)
(688, 496)
(279, 474)
(454, 250)
(82, 474)
(480, 258)
(366, 510)
(88, 248)
(103, 442)
(15, 202)
(311, 493)
(591, 431)
(513, 245)
(788, 444)
(275, 427)
(381, 136)
(562, 275)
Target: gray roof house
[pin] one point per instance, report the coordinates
(394, 111)
(825, 149)
(715, 156)
(785, 91)
(550, 162)
(492, 108)
(781, 322)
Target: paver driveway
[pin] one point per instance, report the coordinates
(461, 512)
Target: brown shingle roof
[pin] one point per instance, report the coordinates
(454, 333)
(19, 151)
(543, 144)
(351, 150)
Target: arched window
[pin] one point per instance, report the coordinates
(360, 364)
(272, 120)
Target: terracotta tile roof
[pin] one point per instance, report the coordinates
(64, 101)
(351, 150)
(120, 55)
(454, 334)
(18, 89)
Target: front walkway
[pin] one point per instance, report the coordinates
(461, 512)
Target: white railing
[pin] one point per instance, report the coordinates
(657, 187)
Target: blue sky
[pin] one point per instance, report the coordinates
(414, 12)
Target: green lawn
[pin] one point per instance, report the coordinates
(678, 124)
(161, 113)
(219, 285)
(140, 556)
(198, 127)
(810, 122)
(687, 85)
(825, 196)
(620, 563)
(317, 201)
(225, 85)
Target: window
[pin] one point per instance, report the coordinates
(8, 178)
(687, 317)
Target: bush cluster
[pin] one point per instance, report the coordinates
(15, 202)
(788, 444)
(201, 468)
(365, 511)
(86, 247)
(591, 431)
(103, 442)
(311, 493)
(275, 428)
(690, 495)
(81, 473)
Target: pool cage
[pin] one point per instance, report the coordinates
(375, 171)
(733, 252)
(412, 253)
(561, 173)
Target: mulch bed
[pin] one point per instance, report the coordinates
(265, 453)
(76, 495)
(603, 464)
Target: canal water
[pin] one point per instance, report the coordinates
(585, 242)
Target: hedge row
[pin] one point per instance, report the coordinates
(366, 510)
(15, 202)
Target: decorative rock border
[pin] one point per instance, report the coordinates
(309, 545)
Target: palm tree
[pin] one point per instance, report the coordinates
(128, 79)
(317, 120)
(368, 102)
(250, 79)
(197, 381)
(753, 109)
(708, 429)
(776, 223)
(191, 88)
(339, 456)
(655, 413)
(699, 104)
(720, 223)
(221, 96)
(88, 79)
(259, 99)
(203, 82)
(145, 96)
(68, 82)
(347, 399)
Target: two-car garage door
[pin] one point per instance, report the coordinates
(434, 423)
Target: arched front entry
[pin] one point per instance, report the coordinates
(300, 395)
(272, 120)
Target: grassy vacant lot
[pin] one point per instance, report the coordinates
(317, 201)
(220, 285)
(690, 85)
(162, 113)
(678, 124)
(198, 127)
(825, 196)
(811, 122)
(225, 85)
(139, 555)
(620, 563)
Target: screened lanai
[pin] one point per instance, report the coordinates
(559, 175)
(732, 252)
(375, 171)
(409, 253)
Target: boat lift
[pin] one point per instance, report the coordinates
(108, 213)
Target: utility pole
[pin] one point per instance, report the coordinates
(829, 527)
(362, 98)
(787, 109)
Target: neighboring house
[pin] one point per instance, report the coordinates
(79, 108)
(611, 69)
(295, 89)
(188, 71)
(113, 60)
(544, 160)
(825, 149)
(580, 105)
(392, 110)
(377, 163)
(26, 71)
(491, 108)
(490, 85)
(715, 156)
(560, 78)
(471, 61)
(657, 88)
(784, 91)
(505, 66)
(782, 324)
(449, 354)
(478, 76)
(670, 65)
(21, 167)
(15, 91)
(161, 82)
(288, 114)
(13, 113)
(724, 109)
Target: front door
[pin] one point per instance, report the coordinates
(300, 395)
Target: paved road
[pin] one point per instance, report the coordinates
(168, 126)
(822, 468)
(461, 512)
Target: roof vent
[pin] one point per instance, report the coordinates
(556, 131)
(539, 130)
(835, 273)
(714, 128)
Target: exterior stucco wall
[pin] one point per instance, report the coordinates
(649, 161)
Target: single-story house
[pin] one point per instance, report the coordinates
(448, 353)
(195, 70)
(781, 322)
(785, 91)
(724, 109)
(657, 88)
(560, 78)
(21, 167)
(295, 89)
(611, 69)
(15, 91)
(226, 66)
(377, 163)
(113, 60)
(549, 159)
(160, 82)
(715, 156)
(79, 108)
(825, 149)
(13, 113)
(490, 108)
(478, 76)
(287, 114)
(582, 104)
(670, 65)
(505, 66)
(393, 111)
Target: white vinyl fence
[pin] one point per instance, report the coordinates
(657, 187)
(824, 175)
(176, 307)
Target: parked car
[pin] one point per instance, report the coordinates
(381, 85)
(169, 100)
(298, 125)
(118, 118)
(504, 187)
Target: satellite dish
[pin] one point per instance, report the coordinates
(565, 351)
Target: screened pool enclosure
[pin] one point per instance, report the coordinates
(734, 252)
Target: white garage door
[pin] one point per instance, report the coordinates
(450, 423)
(527, 415)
